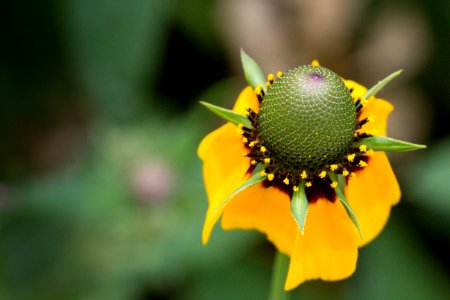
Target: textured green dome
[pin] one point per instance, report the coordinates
(307, 119)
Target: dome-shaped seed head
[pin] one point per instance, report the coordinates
(307, 119)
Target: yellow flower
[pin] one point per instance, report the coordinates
(328, 248)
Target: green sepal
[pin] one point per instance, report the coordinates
(381, 84)
(348, 209)
(299, 207)
(227, 114)
(253, 73)
(254, 179)
(382, 143)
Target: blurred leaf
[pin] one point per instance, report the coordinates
(427, 182)
(197, 19)
(115, 47)
(397, 266)
(240, 280)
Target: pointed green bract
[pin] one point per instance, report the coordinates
(381, 84)
(344, 202)
(253, 73)
(341, 182)
(227, 114)
(348, 209)
(299, 207)
(382, 143)
(254, 179)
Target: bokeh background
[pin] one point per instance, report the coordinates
(101, 194)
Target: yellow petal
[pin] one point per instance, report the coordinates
(224, 166)
(376, 107)
(358, 89)
(371, 193)
(328, 249)
(224, 170)
(381, 110)
(266, 210)
(247, 98)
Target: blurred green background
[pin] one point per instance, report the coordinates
(101, 194)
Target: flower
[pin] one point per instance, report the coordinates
(283, 172)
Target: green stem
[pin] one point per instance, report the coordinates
(280, 269)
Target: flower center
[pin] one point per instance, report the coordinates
(307, 119)
(305, 130)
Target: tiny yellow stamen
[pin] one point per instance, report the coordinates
(308, 184)
(362, 164)
(315, 63)
(303, 174)
(351, 157)
(363, 148)
(267, 84)
(333, 167)
(334, 184)
(369, 152)
(267, 160)
(263, 173)
(279, 74)
(270, 77)
(295, 188)
(263, 149)
(286, 181)
(254, 162)
(252, 144)
(345, 173)
(270, 177)
(258, 89)
(322, 174)
(244, 140)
